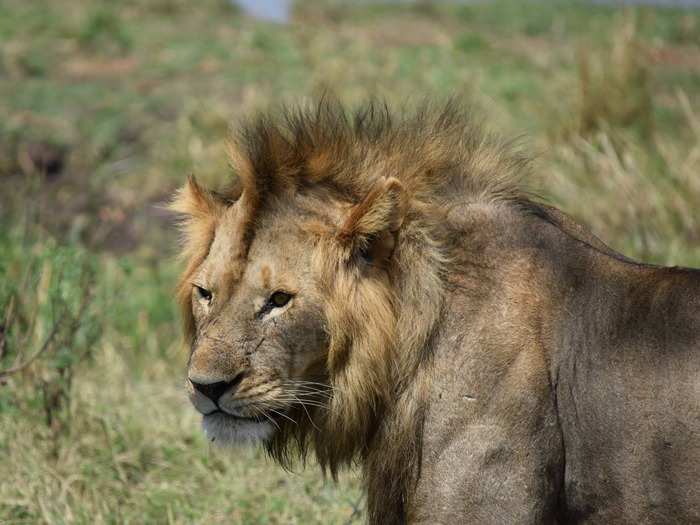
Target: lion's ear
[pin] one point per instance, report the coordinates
(194, 201)
(370, 227)
(199, 209)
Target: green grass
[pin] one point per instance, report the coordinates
(108, 106)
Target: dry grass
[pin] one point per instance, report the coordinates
(615, 85)
(642, 198)
(107, 107)
(635, 185)
(134, 454)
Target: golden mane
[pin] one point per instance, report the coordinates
(424, 164)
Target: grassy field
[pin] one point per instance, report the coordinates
(106, 107)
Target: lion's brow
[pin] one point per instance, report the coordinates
(266, 275)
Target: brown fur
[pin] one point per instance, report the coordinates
(382, 197)
(386, 171)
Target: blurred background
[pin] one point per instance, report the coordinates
(106, 107)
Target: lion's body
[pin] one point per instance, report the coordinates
(566, 385)
(484, 357)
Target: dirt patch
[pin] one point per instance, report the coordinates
(42, 158)
(408, 31)
(685, 57)
(94, 68)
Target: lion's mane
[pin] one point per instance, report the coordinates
(378, 363)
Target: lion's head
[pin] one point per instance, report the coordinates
(314, 281)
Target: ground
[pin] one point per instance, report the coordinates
(107, 107)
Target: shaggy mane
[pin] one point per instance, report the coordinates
(438, 153)
(380, 327)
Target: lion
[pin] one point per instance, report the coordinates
(378, 288)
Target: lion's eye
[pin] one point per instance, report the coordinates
(203, 293)
(279, 299)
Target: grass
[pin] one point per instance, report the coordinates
(108, 106)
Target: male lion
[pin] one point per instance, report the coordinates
(377, 288)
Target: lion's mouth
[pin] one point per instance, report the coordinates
(225, 428)
(242, 419)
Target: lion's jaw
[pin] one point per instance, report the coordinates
(224, 429)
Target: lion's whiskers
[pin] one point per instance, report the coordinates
(307, 413)
(281, 414)
(257, 412)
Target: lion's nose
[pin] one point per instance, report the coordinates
(215, 390)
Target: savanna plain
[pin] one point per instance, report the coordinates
(106, 107)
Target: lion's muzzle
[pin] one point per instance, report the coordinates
(213, 391)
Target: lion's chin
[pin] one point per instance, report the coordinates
(226, 430)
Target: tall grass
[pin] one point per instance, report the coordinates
(614, 85)
(95, 424)
(107, 107)
(637, 186)
(642, 199)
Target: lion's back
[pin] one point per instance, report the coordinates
(629, 404)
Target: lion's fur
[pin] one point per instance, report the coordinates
(400, 174)
(480, 348)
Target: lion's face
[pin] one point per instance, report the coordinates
(259, 338)
(292, 292)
